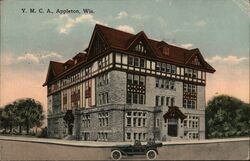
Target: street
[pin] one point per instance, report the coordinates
(20, 150)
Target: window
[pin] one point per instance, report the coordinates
(163, 67)
(135, 136)
(173, 69)
(193, 89)
(128, 121)
(130, 79)
(165, 83)
(161, 83)
(192, 122)
(118, 58)
(185, 86)
(136, 80)
(189, 87)
(165, 51)
(185, 123)
(142, 81)
(193, 135)
(103, 98)
(141, 99)
(144, 122)
(128, 136)
(129, 98)
(86, 120)
(134, 122)
(162, 100)
(140, 48)
(135, 98)
(195, 73)
(103, 118)
(172, 101)
(102, 79)
(168, 68)
(158, 66)
(107, 97)
(144, 136)
(185, 103)
(189, 72)
(167, 101)
(136, 62)
(139, 136)
(131, 61)
(157, 82)
(137, 119)
(189, 103)
(190, 96)
(172, 85)
(157, 100)
(136, 89)
(139, 122)
(142, 63)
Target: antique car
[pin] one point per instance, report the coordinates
(149, 149)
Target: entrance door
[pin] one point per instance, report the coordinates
(173, 127)
(70, 129)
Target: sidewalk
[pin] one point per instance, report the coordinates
(111, 144)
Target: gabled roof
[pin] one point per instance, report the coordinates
(115, 38)
(120, 40)
(174, 112)
(55, 69)
(141, 36)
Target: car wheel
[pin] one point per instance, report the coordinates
(116, 155)
(151, 154)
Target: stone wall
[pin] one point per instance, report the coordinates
(57, 127)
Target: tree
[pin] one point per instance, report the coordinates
(24, 112)
(9, 118)
(31, 113)
(227, 117)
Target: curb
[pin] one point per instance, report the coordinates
(112, 144)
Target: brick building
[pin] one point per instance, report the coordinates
(125, 87)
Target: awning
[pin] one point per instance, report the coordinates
(174, 113)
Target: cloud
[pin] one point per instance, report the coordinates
(34, 58)
(51, 55)
(138, 17)
(126, 28)
(231, 59)
(66, 23)
(200, 23)
(121, 15)
(28, 57)
(188, 46)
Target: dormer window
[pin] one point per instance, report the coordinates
(140, 48)
(165, 51)
(65, 67)
(76, 61)
(196, 61)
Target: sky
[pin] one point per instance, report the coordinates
(219, 28)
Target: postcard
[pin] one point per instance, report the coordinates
(124, 80)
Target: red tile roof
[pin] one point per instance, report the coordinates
(121, 40)
(55, 69)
